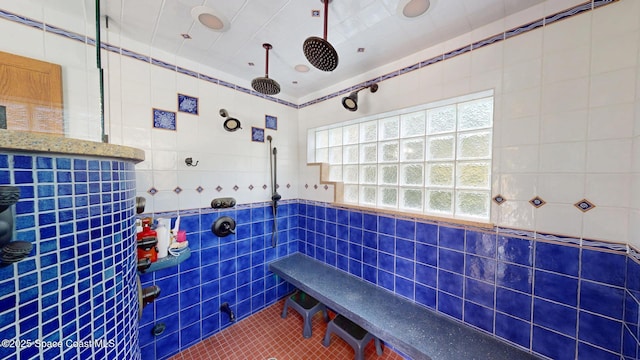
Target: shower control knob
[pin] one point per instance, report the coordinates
(223, 203)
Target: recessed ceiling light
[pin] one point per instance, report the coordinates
(301, 68)
(252, 64)
(413, 8)
(315, 13)
(210, 18)
(360, 49)
(185, 36)
(294, 82)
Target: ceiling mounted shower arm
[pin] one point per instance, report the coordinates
(318, 51)
(326, 17)
(266, 66)
(265, 85)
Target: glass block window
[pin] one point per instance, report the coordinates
(431, 159)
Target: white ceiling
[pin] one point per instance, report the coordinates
(374, 25)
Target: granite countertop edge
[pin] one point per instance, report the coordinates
(21, 141)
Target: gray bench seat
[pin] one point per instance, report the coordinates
(419, 332)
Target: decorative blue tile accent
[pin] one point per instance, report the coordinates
(257, 134)
(271, 122)
(163, 119)
(188, 104)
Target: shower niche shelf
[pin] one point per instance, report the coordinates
(168, 261)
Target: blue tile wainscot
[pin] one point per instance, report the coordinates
(557, 297)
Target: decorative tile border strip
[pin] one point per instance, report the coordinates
(601, 245)
(21, 19)
(633, 254)
(163, 64)
(65, 33)
(499, 231)
(524, 28)
(567, 13)
(576, 10)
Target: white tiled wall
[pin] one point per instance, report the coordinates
(80, 76)
(567, 118)
(225, 159)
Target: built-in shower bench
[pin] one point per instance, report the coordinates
(416, 331)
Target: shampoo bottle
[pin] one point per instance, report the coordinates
(163, 239)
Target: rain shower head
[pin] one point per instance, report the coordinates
(265, 85)
(351, 102)
(320, 53)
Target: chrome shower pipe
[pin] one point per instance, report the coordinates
(275, 197)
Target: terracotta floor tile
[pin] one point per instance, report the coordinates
(265, 335)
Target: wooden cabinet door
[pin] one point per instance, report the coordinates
(31, 92)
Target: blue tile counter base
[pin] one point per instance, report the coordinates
(415, 330)
(77, 289)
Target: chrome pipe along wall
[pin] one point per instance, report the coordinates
(275, 197)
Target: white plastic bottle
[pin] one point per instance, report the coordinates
(163, 239)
